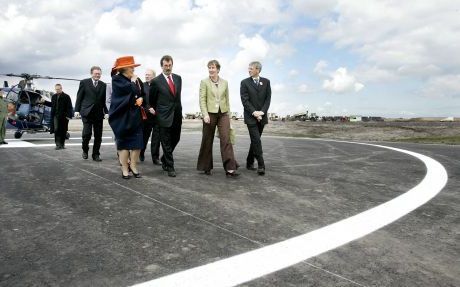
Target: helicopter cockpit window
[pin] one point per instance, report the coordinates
(12, 95)
(23, 98)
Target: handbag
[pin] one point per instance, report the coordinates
(143, 113)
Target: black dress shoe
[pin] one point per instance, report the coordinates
(136, 175)
(232, 174)
(58, 148)
(250, 167)
(156, 162)
(164, 167)
(142, 157)
(261, 171)
(4, 142)
(171, 173)
(96, 158)
(207, 172)
(84, 155)
(125, 176)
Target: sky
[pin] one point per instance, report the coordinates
(330, 57)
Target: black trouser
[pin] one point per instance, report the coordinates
(255, 151)
(88, 125)
(169, 138)
(151, 127)
(60, 131)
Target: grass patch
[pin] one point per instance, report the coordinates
(453, 140)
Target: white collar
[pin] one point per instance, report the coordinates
(166, 77)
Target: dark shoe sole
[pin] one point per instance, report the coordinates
(232, 174)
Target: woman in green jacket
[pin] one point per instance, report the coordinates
(215, 107)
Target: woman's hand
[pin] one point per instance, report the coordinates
(139, 101)
(206, 120)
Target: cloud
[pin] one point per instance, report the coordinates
(320, 67)
(315, 9)
(303, 88)
(396, 39)
(342, 82)
(278, 87)
(447, 86)
(252, 49)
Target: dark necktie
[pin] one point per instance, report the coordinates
(171, 85)
(95, 84)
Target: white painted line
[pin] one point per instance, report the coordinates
(29, 145)
(16, 144)
(257, 263)
(38, 139)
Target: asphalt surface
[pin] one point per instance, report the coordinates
(66, 221)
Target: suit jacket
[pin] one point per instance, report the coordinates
(63, 108)
(167, 106)
(255, 98)
(91, 100)
(211, 99)
(146, 102)
(125, 116)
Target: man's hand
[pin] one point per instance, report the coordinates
(139, 101)
(258, 114)
(77, 115)
(207, 120)
(152, 111)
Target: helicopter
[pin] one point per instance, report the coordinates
(29, 109)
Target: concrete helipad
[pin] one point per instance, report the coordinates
(66, 221)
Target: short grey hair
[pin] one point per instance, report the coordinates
(95, 68)
(151, 70)
(257, 65)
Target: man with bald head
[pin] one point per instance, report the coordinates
(150, 127)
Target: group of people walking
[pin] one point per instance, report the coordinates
(153, 109)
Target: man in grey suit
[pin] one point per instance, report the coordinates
(165, 102)
(255, 94)
(91, 106)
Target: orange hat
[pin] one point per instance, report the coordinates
(123, 62)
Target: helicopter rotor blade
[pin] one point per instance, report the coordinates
(30, 77)
(56, 78)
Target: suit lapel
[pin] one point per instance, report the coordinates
(176, 83)
(252, 84)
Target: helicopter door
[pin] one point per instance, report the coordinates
(23, 108)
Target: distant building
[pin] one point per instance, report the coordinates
(355, 118)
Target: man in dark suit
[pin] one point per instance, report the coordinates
(150, 125)
(165, 101)
(61, 113)
(255, 94)
(91, 106)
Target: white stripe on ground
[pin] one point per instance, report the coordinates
(39, 139)
(14, 144)
(257, 263)
(19, 144)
